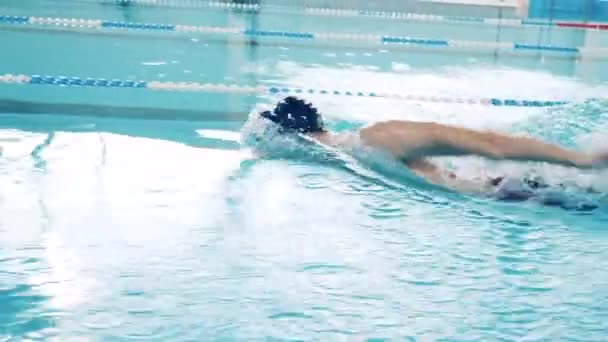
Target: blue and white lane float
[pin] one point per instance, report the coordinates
(97, 25)
(360, 13)
(63, 81)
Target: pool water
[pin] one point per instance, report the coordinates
(131, 214)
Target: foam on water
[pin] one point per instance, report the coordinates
(452, 82)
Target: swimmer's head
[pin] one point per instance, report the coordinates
(295, 115)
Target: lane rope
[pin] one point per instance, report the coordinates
(97, 25)
(196, 87)
(354, 13)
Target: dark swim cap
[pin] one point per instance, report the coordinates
(293, 114)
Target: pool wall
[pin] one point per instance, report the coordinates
(579, 10)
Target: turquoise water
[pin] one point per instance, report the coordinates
(118, 224)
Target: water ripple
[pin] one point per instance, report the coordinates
(326, 268)
(355, 187)
(382, 208)
(103, 320)
(520, 270)
(290, 315)
(314, 181)
(525, 285)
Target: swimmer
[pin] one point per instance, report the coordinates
(414, 142)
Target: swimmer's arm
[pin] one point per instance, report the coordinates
(412, 141)
(502, 147)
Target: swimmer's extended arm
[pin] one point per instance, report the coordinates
(415, 140)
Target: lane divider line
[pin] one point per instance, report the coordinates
(380, 14)
(96, 24)
(196, 87)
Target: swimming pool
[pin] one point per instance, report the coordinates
(136, 213)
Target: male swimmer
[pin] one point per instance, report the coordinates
(414, 142)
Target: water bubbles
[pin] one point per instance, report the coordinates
(265, 138)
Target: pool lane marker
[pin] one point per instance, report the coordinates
(355, 13)
(91, 24)
(63, 81)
